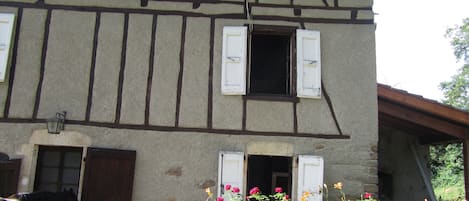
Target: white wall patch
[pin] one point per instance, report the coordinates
(6, 30)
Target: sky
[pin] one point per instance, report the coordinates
(412, 53)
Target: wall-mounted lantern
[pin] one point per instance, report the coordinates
(56, 124)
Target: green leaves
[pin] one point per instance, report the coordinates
(447, 169)
(446, 161)
(459, 36)
(456, 91)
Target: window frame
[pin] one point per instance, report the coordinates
(276, 31)
(300, 164)
(305, 63)
(62, 150)
(274, 174)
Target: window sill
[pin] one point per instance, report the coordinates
(276, 98)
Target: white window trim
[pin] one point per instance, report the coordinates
(308, 62)
(297, 176)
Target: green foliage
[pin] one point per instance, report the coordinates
(451, 193)
(459, 36)
(456, 91)
(446, 161)
(447, 164)
(259, 197)
(448, 171)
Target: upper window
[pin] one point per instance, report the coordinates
(283, 62)
(270, 69)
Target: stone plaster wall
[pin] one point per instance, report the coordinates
(397, 159)
(68, 55)
(196, 160)
(107, 68)
(184, 92)
(194, 97)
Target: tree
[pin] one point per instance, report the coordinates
(447, 160)
(459, 36)
(456, 91)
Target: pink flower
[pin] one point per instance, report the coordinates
(227, 187)
(254, 190)
(278, 189)
(367, 195)
(220, 199)
(286, 197)
(235, 190)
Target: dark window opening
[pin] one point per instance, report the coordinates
(270, 72)
(268, 172)
(58, 169)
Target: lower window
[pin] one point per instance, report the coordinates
(268, 172)
(58, 168)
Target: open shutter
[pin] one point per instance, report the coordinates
(9, 174)
(6, 30)
(109, 175)
(230, 170)
(308, 58)
(233, 69)
(310, 176)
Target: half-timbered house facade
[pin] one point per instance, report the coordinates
(165, 98)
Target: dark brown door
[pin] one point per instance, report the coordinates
(109, 175)
(9, 174)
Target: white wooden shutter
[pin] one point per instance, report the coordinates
(6, 30)
(230, 170)
(310, 176)
(233, 79)
(308, 58)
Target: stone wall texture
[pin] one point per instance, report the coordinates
(145, 75)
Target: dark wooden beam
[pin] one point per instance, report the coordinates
(466, 167)
(422, 119)
(173, 129)
(405, 126)
(93, 66)
(120, 84)
(420, 103)
(45, 42)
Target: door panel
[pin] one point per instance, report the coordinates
(9, 175)
(109, 175)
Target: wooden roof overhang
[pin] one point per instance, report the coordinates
(433, 122)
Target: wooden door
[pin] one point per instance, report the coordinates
(9, 175)
(109, 175)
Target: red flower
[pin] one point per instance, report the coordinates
(367, 195)
(235, 190)
(278, 189)
(227, 187)
(286, 197)
(220, 199)
(254, 190)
